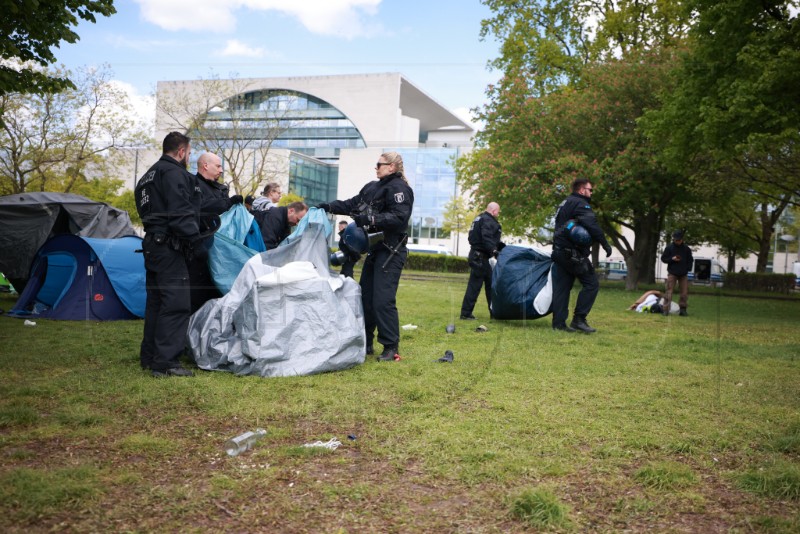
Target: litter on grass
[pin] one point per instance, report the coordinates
(331, 444)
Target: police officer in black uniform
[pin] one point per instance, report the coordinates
(571, 260)
(167, 202)
(351, 257)
(484, 240)
(383, 205)
(214, 202)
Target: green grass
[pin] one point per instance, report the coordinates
(652, 424)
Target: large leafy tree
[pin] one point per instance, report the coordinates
(60, 141)
(30, 30)
(578, 75)
(733, 117)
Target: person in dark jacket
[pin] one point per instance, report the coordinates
(383, 205)
(571, 258)
(678, 257)
(484, 240)
(167, 201)
(276, 223)
(214, 201)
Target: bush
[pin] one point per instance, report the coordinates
(767, 282)
(437, 262)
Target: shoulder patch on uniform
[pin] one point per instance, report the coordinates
(588, 207)
(399, 197)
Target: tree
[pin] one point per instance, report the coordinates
(30, 29)
(239, 125)
(733, 115)
(457, 216)
(58, 141)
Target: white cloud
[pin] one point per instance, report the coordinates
(236, 48)
(144, 106)
(342, 18)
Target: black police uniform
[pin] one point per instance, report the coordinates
(166, 199)
(575, 207)
(214, 201)
(274, 225)
(386, 205)
(484, 240)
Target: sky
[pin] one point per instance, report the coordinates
(434, 43)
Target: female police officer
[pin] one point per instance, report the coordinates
(383, 205)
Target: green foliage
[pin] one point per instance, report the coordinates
(766, 282)
(30, 29)
(288, 198)
(540, 508)
(439, 263)
(665, 475)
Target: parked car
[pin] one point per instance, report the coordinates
(612, 269)
(429, 249)
(707, 271)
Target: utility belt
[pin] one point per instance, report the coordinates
(173, 242)
(572, 260)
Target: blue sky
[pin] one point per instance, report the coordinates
(434, 43)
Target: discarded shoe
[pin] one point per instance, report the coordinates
(481, 328)
(564, 328)
(582, 326)
(174, 371)
(469, 317)
(447, 358)
(451, 329)
(389, 355)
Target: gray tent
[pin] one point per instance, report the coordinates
(29, 219)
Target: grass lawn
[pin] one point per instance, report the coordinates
(652, 424)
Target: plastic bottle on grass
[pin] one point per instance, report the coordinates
(243, 442)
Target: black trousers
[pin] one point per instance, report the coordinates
(203, 288)
(480, 274)
(168, 307)
(379, 295)
(563, 281)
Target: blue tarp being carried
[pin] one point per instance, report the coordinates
(82, 278)
(521, 287)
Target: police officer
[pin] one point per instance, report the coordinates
(214, 201)
(351, 257)
(484, 240)
(276, 223)
(383, 205)
(166, 199)
(571, 260)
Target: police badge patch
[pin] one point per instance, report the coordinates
(399, 197)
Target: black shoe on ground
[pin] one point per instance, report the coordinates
(174, 371)
(370, 350)
(564, 328)
(582, 326)
(469, 317)
(684, 313)
(389, 355)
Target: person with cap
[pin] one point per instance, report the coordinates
(576, 228)
(383, 205)
(678, 257)
(484, 240)
(351, 256)
(167, 201)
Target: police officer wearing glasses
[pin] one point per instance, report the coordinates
(383, 205)
(167, 201)
(576, 228)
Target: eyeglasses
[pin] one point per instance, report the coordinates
(590, 189)
(380, 164)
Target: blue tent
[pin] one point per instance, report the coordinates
(83, 278)
(521, 286)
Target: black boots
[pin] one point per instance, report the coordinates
(580, 324)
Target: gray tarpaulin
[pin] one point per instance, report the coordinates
(285, 315)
